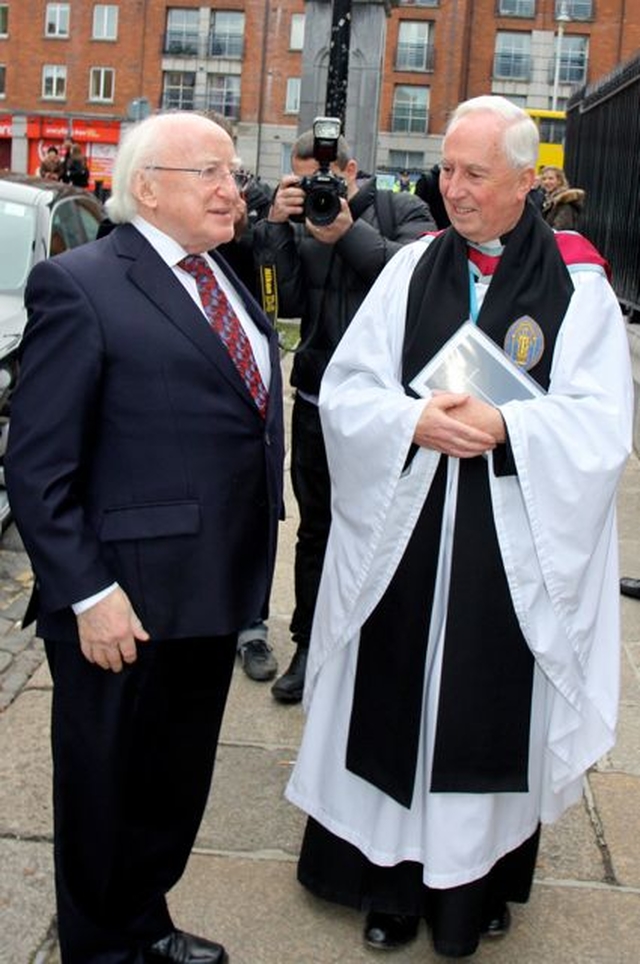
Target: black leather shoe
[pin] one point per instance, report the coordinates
(182, 948)
(630, 587)
(497, 925)
(289, 688)
(258, 660)
(388, 931)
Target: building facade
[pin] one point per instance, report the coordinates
(85, 70)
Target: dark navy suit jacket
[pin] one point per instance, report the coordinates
(137, 454)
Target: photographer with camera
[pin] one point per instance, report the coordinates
(329, 236)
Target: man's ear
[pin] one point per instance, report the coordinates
(143, 189)
(526, 181)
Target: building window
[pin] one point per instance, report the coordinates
(102, 83)
(57, 20)
(419, 3)
(410, 110)
(575, 9)
(227, 35)
(517, 8)
(105, 21)
(223, 94)
(296, 38)
(292, 103)
(182, 32)
(415, 49)
(178, 90)
(573, 60)
(406, 160)
(4, 19)
(54, 82)
(512, 59)
(3, 80)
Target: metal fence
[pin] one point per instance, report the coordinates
(603, 157)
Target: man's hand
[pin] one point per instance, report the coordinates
(288, 200)
(452, 424)
(109, 630)
(480, 415)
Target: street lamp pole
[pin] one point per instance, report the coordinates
(562, 18)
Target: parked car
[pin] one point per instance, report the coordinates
(38, 219)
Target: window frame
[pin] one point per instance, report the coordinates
(102, 72)
(4, 15)
(296, 31)
(526, 14)
(231, 41)
(292, 95)
(229, 105)
(60, 10)
(411, 47)
(417, 119)
(513, 55)
(100, 31)
(575, 9)
(57, 72)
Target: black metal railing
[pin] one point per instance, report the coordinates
(602, 151)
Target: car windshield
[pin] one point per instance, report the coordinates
(17, 232)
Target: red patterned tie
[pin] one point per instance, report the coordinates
(226, 324)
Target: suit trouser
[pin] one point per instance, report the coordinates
(312, 489)
(133, 759)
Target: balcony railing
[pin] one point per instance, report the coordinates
(408, 120)
(415, 56)
(512, 66)
(229, 46)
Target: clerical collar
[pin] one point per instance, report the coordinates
(493, 248)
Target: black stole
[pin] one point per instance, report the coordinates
(487, 673)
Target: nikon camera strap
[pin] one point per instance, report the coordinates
(269, 292)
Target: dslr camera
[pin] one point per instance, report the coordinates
(324, 189)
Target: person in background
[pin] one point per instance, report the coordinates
(428, 189)
(77, 169)
(464, 665)
(323, 274)
(562, 205)
(147, 487)
(404, 182)
(52, 166)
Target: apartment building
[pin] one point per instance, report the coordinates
(84, 70)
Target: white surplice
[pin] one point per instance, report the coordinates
(556, 529)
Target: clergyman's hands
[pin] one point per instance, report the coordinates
(108, 632)
(458, 425)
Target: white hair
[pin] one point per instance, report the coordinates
(520, 139)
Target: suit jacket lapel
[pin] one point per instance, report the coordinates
(157, 282)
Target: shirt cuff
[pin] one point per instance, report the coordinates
(84, 604)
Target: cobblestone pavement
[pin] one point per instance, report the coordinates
(20, 652)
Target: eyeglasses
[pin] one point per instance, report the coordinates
(214, 174)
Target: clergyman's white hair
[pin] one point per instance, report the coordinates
(521, 139)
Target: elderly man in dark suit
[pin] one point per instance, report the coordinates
(144, 471)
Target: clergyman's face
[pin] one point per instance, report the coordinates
(483, 194)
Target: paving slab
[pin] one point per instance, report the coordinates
(26, 898)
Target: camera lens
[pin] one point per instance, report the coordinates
(322, 205)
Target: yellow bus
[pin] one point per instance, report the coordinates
(551, 126)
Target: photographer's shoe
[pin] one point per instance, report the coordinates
(290, 686)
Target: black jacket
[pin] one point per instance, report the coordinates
(324, 285)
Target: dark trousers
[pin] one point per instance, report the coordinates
(133, 758)
(312, 489)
